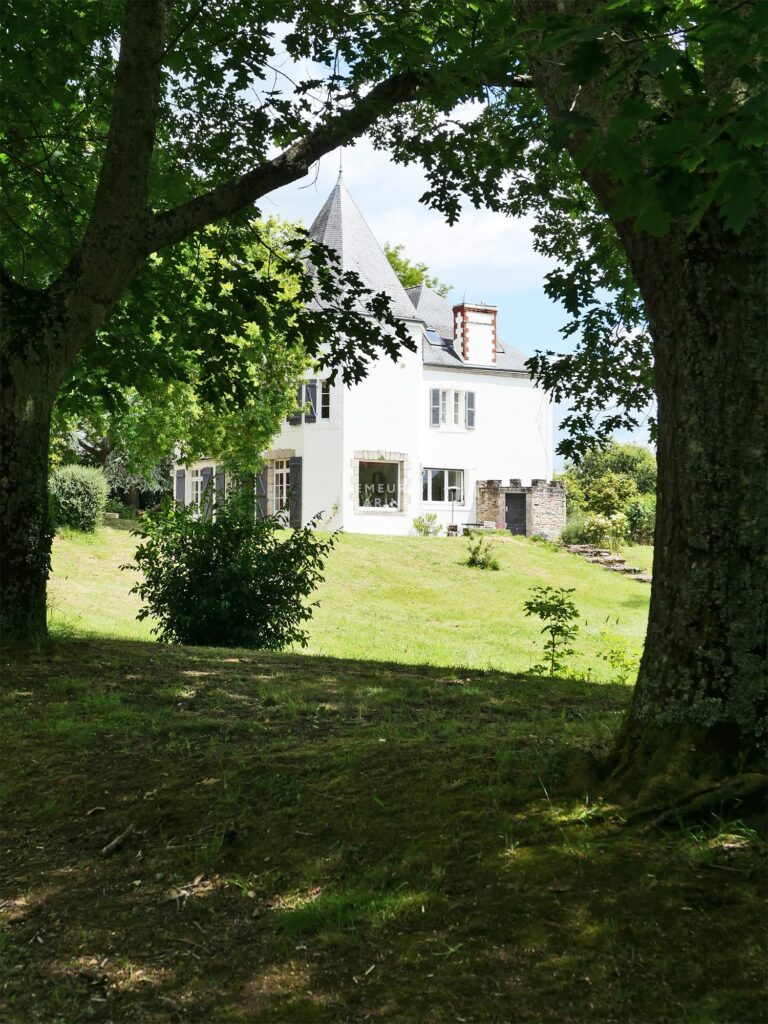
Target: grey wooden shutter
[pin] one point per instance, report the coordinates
(221, 485)
(295, 418)
(261, 494)
(207, 491)
(311, 398)
(180, 482)
(469, 401)
(294, 491)
(434, 417)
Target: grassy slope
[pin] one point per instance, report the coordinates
(327, 840)
(391, 598)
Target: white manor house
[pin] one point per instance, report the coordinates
(456, 428)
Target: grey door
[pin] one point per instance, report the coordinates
(515, 513)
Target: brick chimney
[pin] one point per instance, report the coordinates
(474, 333)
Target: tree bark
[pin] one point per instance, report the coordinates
(27, 389)
(699, 706)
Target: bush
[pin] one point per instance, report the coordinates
(606, 531)
(78, 496)
(610, 493)
(427, 525)
(574, 531)
(480, 554)
(231, 581)
(641, 518)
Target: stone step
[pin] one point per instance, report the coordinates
(643, 577)
(628, 570)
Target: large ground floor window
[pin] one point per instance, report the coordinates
(379, 485)
(443, 485)
(282, 481)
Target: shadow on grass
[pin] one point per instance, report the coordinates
(319, 839)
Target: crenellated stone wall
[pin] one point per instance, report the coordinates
(544, 505)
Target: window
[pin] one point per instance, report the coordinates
(281, 471)
(306, 402)
(443, 485)
(325, 399)
(379, 485)
(197, 487)
(451, 409)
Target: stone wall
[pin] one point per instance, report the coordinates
(544, 505)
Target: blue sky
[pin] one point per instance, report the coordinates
(486, 257)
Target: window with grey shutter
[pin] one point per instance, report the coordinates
(469, 402)
(311, 400)
(180, 483)
(207, 491)
(434, 416)
(295, 418)
(294, 499)
(221, 484)
(261, 494)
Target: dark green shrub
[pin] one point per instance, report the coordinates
(78, 496)
(231, 581)
(641, 518)
(574, 531)
(480, 554)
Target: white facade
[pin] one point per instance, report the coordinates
(414, 436)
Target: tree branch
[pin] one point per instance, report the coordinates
(120, 205)
(293, 163)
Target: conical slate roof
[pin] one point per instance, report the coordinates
(342, 227)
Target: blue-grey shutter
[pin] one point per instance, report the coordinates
(261, 494)
(295, 418)
(207, 490)
(469, 402)
(434, 418)
(221, 485)
(311, 399)
(180, 479)
(294, 493)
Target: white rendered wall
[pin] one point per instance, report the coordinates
(319, 445)
(512, 435)
(382, 413)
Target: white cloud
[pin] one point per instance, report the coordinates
(483, 252)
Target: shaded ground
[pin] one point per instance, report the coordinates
(326, 840)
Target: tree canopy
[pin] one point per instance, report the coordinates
(412, 274)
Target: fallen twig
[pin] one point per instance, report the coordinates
(117, 842)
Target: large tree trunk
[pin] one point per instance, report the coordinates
(698, 711)
(27, 392)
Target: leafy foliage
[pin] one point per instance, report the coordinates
(641, 518)
(427, 525)
(662, 108)
(413, 274)
(606, 478)
(480, 553)
(230, 580)
(557, 611)
(78, 497)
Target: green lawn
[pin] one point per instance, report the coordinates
(403, 599)
(326, 840)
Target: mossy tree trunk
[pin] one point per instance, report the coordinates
(700, 701)
(27, 389)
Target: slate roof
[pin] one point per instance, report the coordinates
(437, 313)
(432, 309)
(341, 226)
